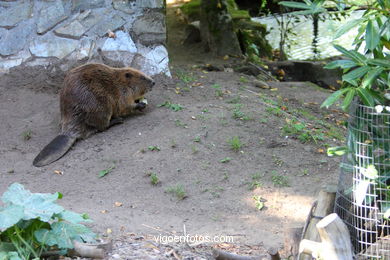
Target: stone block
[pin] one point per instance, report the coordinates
(50, 16)
(73, 30)
(14, 40)
(15, 14)
(81, 5)
(122, 42)
(150, 28)
(108, 24)
(127, 6)
(150, 3)
(52, 46)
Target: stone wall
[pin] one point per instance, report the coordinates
(66, 32)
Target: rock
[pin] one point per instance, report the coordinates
(16, 60)
(109, 24)
(13, 15)
(119, 58)
(312, 71)
(192, 33)
(51, 46)
(122, 42)
(153, 61)
(72, 30)
(50, 16)
(13, 41)
(127, 6)
(261, 84)
(81, 5)
(150, 3)
(83, 50)
(150, 28)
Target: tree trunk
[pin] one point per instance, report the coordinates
(216, 27)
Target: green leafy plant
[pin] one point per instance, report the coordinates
(235, 143)
(174, 107)
(255, 181)
(104, 172)
(27, 135)
(32, 223)
(154, 148)
(178, 191)
(279, 180)
(226, 159)
(154, 180)
(259, 202)
(365, 75)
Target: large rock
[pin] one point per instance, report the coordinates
(127, 6)
(152, 61)
(50, 16)
(73, 30)
(81, 5)
(150, 28)
(13, 41)
(13, 15)
(51, 46)
(16, 60)
(108, 24)
(150, 3)
(122, 42)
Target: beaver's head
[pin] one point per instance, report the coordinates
(138, 81)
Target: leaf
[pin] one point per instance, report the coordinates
(296, 5)
(348, 99)
(371, 76)
(73, 217)
(354, 55)
(334, 97)
(103, 173)
(372, 36)
(36, 205)
(9, 216)
(343, 64)
(347, 27)
(356, 73)
(380, 62)
(10, 256)
(62, 234)
(337, 150)
(366, 97)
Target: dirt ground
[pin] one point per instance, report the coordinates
(188, 148)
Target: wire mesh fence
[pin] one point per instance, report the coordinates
(363, 196)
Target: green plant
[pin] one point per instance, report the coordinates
(178, 191)
(259, 203)
(154, 180)
(279, 180)
(367, 74)
(179, 123)
(27, 135)
(300, 131)
(174, 107)
(225, 160)
(235, 143)
(197, 139)
(238, 114)
(104, 172)
(255, 182)
(154, 148)
(32, 223)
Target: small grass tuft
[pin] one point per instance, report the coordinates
(178, 191)
(235, 143)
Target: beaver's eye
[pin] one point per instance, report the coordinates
(128, 75)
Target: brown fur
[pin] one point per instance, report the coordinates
(94, 94)
(94, 97)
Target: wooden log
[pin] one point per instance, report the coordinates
(323, 207)
(335, 241)
(292, 238)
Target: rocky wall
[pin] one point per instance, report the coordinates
(66, 32)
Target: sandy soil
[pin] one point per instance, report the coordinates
(192, 142)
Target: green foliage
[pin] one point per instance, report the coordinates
(235, 143)
(154, 148)
(238, 114)
(154, 180)
(104, 172)
(178, 191)
(365, 75)
(279, 180)
(300, 131)
(225, 160)
(32, 223)
(174, 107)
(259, 202)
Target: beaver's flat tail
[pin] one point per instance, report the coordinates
(57, 148)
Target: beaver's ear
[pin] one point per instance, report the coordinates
(128, 75)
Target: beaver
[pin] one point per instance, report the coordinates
(93, 98)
